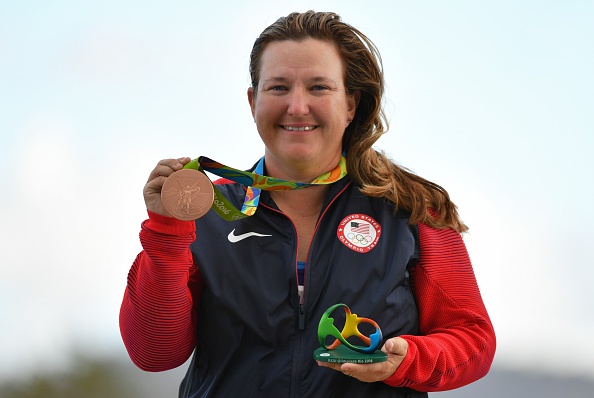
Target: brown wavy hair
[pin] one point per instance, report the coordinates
(370, 169)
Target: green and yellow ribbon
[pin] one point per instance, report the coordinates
(255, 181)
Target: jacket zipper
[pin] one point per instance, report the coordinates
(301, 292)
(301, 295)
(301, 315)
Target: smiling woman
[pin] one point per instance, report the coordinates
(249, 308)
(301, 107)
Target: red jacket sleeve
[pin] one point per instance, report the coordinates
(456, 345)
(157, 321)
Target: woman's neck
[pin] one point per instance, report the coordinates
(304, 172)
(301, 203)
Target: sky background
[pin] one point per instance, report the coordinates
(492, 100)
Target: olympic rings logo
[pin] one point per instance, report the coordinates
(362, 240)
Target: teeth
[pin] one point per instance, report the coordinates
(290, 128)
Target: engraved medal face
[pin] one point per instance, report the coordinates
(187, 194)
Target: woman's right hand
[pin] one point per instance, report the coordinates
(152, 189)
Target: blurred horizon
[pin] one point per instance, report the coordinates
(114, 377)
(493, 101)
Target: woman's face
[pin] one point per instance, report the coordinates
(301, 107)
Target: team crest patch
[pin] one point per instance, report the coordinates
(359, 232)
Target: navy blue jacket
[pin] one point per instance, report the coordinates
(254, 337)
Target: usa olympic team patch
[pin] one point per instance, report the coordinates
(359, 232)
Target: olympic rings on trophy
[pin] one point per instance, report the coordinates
(326, 328)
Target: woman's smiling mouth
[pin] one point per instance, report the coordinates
(301, 128)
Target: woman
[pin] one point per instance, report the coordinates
(246, 296)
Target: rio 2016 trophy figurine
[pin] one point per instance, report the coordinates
(341, 350)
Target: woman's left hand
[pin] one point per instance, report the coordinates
(396, 349)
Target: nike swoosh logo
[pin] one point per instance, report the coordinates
(236, 238)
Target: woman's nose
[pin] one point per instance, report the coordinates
(298, 103)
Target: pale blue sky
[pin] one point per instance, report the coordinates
(492, 100)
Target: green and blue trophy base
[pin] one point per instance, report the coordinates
(343, 354)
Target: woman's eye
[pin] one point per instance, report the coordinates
(319, 88)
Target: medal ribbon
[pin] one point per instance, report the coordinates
(255, 181)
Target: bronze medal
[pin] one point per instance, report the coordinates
(187, 194)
